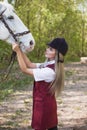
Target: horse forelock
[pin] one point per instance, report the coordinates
(4, 5)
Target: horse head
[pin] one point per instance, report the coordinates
(12, 28)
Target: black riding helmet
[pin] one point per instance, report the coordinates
(60, 45)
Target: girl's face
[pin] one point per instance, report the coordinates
(50, 53)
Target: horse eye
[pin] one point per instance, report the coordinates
(10, 17)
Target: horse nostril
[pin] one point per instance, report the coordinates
(31, 42)
(20, 43)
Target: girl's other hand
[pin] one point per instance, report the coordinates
(15, 47)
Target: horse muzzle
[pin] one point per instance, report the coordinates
(27, 47)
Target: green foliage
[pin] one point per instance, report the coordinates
(50, 19)
(47, 20)
(5, 52)
(14, 82)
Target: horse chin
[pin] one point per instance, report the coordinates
(26, 49)
(29, 49)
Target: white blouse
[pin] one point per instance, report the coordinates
(46, 74)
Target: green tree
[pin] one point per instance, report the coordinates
(59, 18)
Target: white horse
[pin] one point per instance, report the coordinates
(12, 28)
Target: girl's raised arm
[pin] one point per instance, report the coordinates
(23, 61)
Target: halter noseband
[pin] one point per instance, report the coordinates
(9, 29)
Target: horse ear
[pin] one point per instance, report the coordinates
(6, 1)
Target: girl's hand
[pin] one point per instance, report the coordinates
(15, 47)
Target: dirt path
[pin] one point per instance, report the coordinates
(73, 109)
(16, 110)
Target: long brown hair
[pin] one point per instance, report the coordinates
(58, 84)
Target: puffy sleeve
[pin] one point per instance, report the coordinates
(46, 74)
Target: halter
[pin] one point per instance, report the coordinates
(13, 55)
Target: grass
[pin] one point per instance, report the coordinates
(15, 81)
(11, 123)
(69, 73)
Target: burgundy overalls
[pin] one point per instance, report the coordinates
(44, 106)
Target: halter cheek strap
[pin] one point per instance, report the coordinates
(2, 13)
(11, 32)
(9, 29)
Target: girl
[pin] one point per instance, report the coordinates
(48, 81)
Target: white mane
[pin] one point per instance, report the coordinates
(16, 25)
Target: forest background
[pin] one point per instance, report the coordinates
(48, 19)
